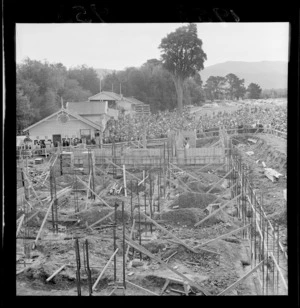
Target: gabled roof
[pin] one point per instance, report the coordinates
(85, 108)
(105, 95)
(73, 114)
(135, 101)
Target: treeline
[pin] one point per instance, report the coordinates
(152, 84)
(41, 85)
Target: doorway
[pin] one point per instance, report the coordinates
(56, 139)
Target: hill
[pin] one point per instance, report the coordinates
(268, 74)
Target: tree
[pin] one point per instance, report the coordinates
(23, 111)
(235, 87)
(215, 87)
(182, 57)
(254, 91)
(87, 78)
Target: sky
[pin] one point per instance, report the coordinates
(117, 46)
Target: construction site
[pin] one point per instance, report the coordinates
(154, 218)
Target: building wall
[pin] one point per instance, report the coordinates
(53, 127)
(125, 105)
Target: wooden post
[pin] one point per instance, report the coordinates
(41, 228)
(20, 224)
(93, 192)
(131, 232)
(165, 265)
(103, 218)
(104, 269)
(56, 272)
(139, 287)
(219, 181)
(173, 236)
(220, 208)
(241, 279)
(124, 179)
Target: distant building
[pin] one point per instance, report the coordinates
(84, 120)
(130, 105)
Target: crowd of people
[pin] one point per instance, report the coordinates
(160, 124)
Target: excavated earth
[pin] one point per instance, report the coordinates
(214, 269)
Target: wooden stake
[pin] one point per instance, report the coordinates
(139, 287)
(94, 192)
(216, 211)
(219, 181)
(224, 235)
(103, 218)
(131, 232)
(41, 228)
(241, 279)
(172, 235)
(105, 267)
(20, 224)
(124, 179)
(56, 272)
(149, 254)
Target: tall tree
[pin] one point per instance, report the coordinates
(254, 91)
(87, 78)
(235, 87)
(182, 56)
(215, 87)
(24, 113)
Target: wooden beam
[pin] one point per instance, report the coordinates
(124, 181)
(206, 250)
(131, 232)
(184, 184)
(87, 191)
(31, 186)
(20, 224)
(94, 192)
(56, 272)
(241, 279)
(105, 267)
(172, 235)
(168, 258)
(103, 218)
(41, 228)
(164, 287)
(121, 169)
(216, 211)
(224, 235)
(139, 287)
(220, 180)
(214, 144)
(164, 264)
(218, 168)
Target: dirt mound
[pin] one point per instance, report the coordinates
(197, 187)
(188, 217)
(183, 217)
(191, 200)
(273, 158)
(94, 214)
(155, 246)
(265, 151)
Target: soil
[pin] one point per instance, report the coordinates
(211, 271)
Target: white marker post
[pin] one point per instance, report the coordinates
(124, 178)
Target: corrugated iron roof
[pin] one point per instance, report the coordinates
(135, 101)
(85, 108)
(105, 95)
